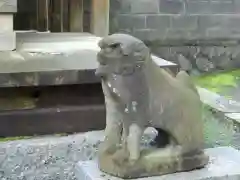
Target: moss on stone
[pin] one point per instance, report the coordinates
(5, 139)
(14, 138)
(216, 82)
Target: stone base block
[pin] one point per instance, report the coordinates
(224, 164)
(7, 41)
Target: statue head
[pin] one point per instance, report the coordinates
(121, 54)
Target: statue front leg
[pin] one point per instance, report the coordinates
(133, 142)
(113, 130)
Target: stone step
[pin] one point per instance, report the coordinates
(224, 164)
(230, 109)
(8, 6)
(53, 54)
(218, 102)
(234, 116)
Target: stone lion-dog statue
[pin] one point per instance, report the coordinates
(139, 94)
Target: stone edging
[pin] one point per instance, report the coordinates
(229, 108)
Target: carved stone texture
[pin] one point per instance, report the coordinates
(138, 95)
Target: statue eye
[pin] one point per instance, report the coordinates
(114, 46)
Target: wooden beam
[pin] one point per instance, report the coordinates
(76, 15)
(100, 17)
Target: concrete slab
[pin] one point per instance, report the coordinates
(224, 164)
(218, 102)
(233, 116)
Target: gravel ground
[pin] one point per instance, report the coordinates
(49, 158)
(54, 158)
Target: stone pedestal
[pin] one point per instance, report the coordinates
(224, 164)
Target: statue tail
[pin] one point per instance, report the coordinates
(184, 78)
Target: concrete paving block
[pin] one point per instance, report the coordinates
(224, 164)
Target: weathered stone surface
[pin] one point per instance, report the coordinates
(218, 102)
(210, 7)
(184, 22)
(70, 60)
(137, 95)
(126, 22)
(213, 19)
(184, 63)
(206, 58)
(7, 41)
(224, 164)
(144, 6)
(204, 65)
(198, 24)
(7, 20)
(171, 7)
(8, 6)
(158, 22)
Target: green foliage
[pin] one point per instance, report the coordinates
(13, 138)
(216, 82)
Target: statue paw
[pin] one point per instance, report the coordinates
(107, 148)
(132, 162)
(121, 156)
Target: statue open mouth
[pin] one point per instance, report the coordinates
(101, 71)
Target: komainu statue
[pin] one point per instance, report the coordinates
(139, 94)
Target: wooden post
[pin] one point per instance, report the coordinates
(100, 17)
(42, 15)
(76, 15)
(61, 15)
